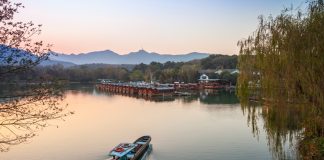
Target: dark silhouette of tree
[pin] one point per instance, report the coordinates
(18, 52)
(25, 110)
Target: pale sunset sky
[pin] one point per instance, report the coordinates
(163, 26)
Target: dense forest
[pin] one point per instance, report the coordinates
(168, 72)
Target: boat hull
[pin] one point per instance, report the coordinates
(144, 147)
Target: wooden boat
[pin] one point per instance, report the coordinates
(131, 151)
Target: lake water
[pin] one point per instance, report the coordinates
(208, 126)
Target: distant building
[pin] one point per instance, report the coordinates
(218, 71)
(207, 83)
(205, 79)
(231, 71)
(103, 81)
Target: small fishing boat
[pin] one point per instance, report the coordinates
(132, 151)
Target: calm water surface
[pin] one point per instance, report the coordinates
(207, 126)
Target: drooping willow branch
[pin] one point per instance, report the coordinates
(281, 64)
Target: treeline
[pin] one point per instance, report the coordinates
(81, 73)
(219, 61)
(187, 72)
(168, 72)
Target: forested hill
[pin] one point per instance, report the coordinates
(168, 72)
(219, 61)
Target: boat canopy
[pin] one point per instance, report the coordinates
(122, 149)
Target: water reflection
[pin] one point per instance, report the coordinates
(218, 97)
(194, 127)
(294, 127)
(282, 124)
(26, 109)
(203, 96)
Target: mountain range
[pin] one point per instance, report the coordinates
(13, 56)
(110, 57)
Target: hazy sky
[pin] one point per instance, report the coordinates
(163, 26)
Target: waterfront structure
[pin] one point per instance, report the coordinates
(137, 88)
(206, 83)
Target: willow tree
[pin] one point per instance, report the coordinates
(282, 63)
(26, 110)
